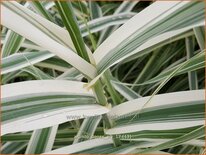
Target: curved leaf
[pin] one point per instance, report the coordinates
(175, 18)
(53, 39)
(37, 104)
(166, 111)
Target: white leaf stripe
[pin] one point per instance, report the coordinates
(42, 140)
(198, 133)
(142, 125)
(95, 25)
(160, 134)
(42, 103)
(128, 93)
(126, 6)
(36, 73)
(18, 9)
(168, 120)
(110, 149)
(194, 63)
(87, 129)
(173, 113)
(43, 86)
(104, 22)
(152, 42)
(12, 43)
(157, 141)
(131, 36)
(26, 44)
(52, 118)
(82, 146)
(26, 101)
(142, 49)
(20, 60)
(153, 126)
(105, 146)
(52, 65)
(158, 100)
(41, 38)
(124, 32)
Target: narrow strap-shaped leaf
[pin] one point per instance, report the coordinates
(61, 134)
(194, 63)
(80, 9)
(200, 132)
(149, 68)
(110, 149)
(12, 43)
(42, 140)
(69, 19)
(55, 41)
(82, 146)
(26, 44)
(126, 6)
(99, 24)
(36, 73)
(12, 147)
(7, 77)
(133, 38)
(158, 101)
(41, 10)
(95, 10)
(175, 113)
(186, 149)
(153, 67)
(54, 63)
(114, 95)
(161, 44)
(70, 74)
(192, 76)
(200, 36)
(87, 129)
(128, 93)
(21, 60)
(104, 146)
(153, 135)
(36, 104)
(70, 22)
(93, 25)
(143, 48)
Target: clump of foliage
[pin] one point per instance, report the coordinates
(102, 77)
